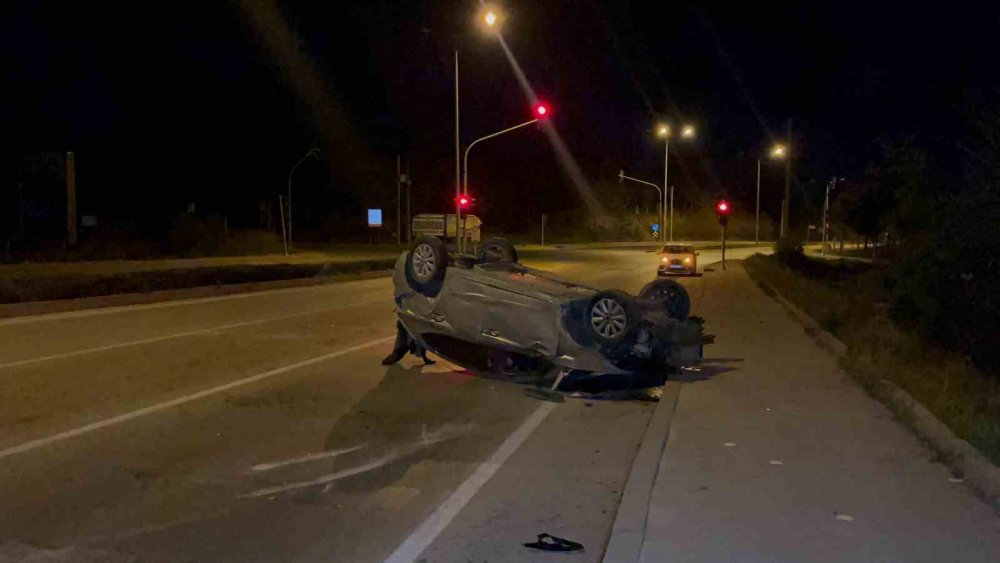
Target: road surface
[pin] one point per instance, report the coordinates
(261, 427)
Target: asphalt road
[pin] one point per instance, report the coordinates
(262, 427)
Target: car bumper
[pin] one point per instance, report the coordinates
(675, 270)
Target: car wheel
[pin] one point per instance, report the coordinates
(497, 250)
(675, 299)
(611, 322)
(426, 264)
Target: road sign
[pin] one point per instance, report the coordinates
(656, 227)
(374, 217)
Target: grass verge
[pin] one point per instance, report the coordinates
(23, 290)
(848, 300)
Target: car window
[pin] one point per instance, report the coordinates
(677, 249)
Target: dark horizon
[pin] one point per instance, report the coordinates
(213, 105)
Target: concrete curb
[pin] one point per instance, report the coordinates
(978, 472)
(629, 529)
(124, 299)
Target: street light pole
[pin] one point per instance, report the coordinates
(660, 194)
(666, 171)
(664, 131)
(756, 229)
(465, 162)
(786, 202)
(312, 152)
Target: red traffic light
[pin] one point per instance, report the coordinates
(542, 111)
(463, 201)
(722, 208)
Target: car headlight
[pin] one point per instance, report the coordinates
(687, 259)
(665, 259)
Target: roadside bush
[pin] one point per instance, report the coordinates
(788, 251)
(948, 287)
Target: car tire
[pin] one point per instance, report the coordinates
(675, 299)
(611, 321)
(497, 250)
(426, 264)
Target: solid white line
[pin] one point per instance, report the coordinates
(34, 444)
(177, 335)
(422, 537)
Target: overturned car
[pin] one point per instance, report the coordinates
(488, 312)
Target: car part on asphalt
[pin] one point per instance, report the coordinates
(548, 542)
(426, 264)
(674, 297)
(497, 250)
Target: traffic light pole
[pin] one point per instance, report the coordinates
(724, 245)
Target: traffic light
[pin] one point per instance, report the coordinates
(722, 212)
(542, 111)
(464, 202)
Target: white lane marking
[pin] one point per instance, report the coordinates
(34, 444)
(305, 458)
(178, 335)
(422, 537)
(845, 517)
(173, 303)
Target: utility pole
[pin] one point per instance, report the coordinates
(399, 203)
(785, 203)
(458, 171)
(832, 184)
(71, 235)
(409, 191)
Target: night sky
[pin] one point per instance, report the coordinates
(212, 102)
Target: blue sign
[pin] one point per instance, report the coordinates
(656, 227)
(374, 217)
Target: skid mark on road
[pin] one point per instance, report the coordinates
(306, 458)
(180, 335)
(35, 444)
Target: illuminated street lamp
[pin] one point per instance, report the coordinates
(663, 131)
(777, 152)
(491, 18)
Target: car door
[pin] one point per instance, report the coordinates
(518, 320)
